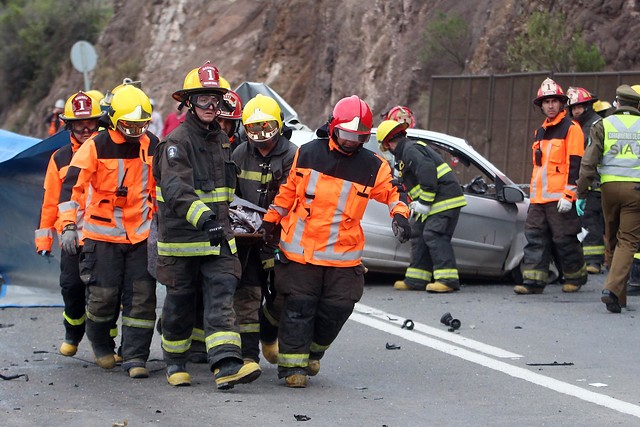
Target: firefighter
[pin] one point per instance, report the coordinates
(603, 108)
(196, 248)
(613, 155)
(437, 199)
(265, 161)
(552, 224)
(80, 115)
(400, 114)
(319, 272)
(580, 107)
(53, 120)
(230, 117)
(113, 170)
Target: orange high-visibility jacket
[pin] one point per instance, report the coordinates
(102, 168)
(556, 153)
(325, 196)
(56, 172)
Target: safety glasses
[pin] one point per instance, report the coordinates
(352, 136)
(262, 131)
(133, 129)
(205, 101)
(81, 126)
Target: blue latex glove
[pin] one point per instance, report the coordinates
(580, 205)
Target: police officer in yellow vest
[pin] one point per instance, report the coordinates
(614, 153)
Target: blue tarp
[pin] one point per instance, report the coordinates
(28, 279)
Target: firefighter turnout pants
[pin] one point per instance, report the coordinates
(432, 257)
(318, 300)
(218, 276)
(550, 232)
(593, 221)
(114, 273)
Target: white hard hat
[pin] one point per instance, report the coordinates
(59, 103)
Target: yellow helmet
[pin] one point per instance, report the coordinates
(205, 79)
(130, 111)
(95, 94)
(262, 118)
(224, 83)
(387, 130)
(601, 106)
(81, 106)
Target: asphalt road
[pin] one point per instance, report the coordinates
(540, 360)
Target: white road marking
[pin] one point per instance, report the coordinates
(497, 365)
(445, 335)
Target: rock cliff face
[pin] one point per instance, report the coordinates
(315, 52)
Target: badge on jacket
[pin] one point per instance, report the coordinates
(172, 152)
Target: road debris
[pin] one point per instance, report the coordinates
(301, 417)
(392, 346)
(448, 320)
(13, 377)
(551, 364)
(408, 324)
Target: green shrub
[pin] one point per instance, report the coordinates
(447, 38)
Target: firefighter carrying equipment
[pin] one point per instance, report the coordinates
(323, 201)
(549, 89)
(204, 79)
(557, 151)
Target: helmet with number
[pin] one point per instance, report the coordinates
(231, 108)
(387, 130)
(401, 114)
(205, 79)
(81, 106)
(262, 119)
(130, 111)
(549, 89)
(579, 96)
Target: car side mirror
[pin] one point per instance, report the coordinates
(510, 194)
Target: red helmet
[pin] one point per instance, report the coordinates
(549, 89)
(351, 115)
(578, 95)
(231, 100)
(401, 114)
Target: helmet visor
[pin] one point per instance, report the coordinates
(133, 129)
(262, 131)
(205, 101)
(352, 136)
(81, 126)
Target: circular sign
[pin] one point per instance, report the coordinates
(83, 56)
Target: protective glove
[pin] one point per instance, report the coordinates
(419, 211)
(69, 239)
(401, 228)
(564, 205)
(580, 205)
(269, 232)
(214, 230)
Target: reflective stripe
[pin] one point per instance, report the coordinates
(418, 274)
(138, 323)
(159, 197)
(74, 322)
(248, 328)
(578, 274)
(197, 334)
(68, 206)
(542, 170)
(541, 276)
(445, 205)
(44, 232)
(113, 332)
(293, 360)
(593, 250)
(92, 227)
(195, 211)
(636, 255)
(445, 273)
(223, 338)
(272, 320)
(221, 194)
(317, 348)
(442, 169)
(181, 346)
(256, 176)
(193, 249)
(98, 319)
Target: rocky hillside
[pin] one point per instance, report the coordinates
(315, 52)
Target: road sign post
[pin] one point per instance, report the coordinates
(84, 59)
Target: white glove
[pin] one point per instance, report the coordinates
(419, 211)
(564, 205)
